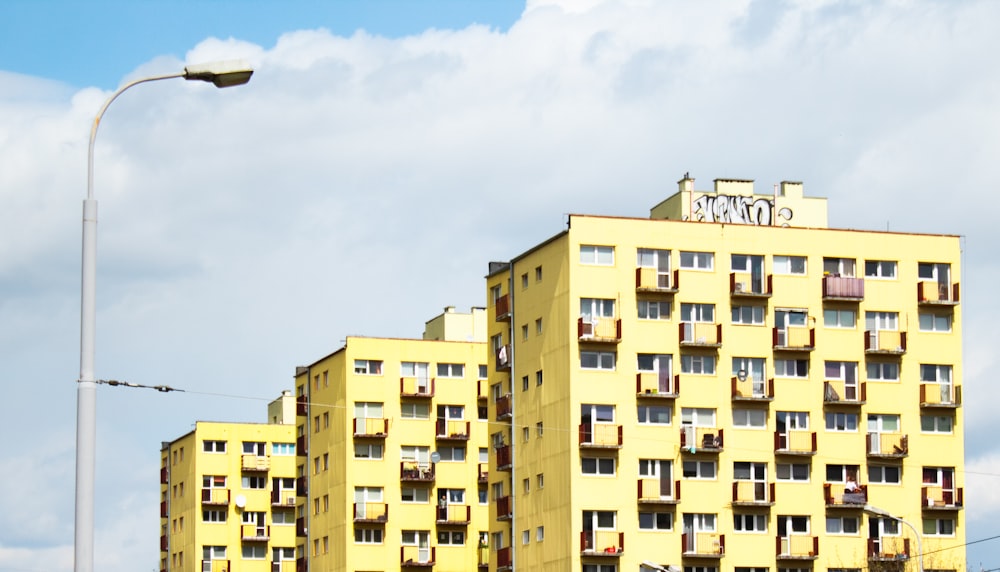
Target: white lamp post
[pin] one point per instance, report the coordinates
(875, 511)
(221, 74)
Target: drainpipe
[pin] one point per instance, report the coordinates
(513, 416)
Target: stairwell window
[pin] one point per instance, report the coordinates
(597, 255)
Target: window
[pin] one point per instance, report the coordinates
(451, 370)
(326, 419)
(750, 522)
(540, 480)
(279, 516)
(483, 371)
(699, 470)
(538, 274)
(213, 482)
(495, 294)
(539, 533)
(524, 331)
(525, 434)
(538, 326)
(834, 318)
(936, 423)
(698, 364)
(283, 449)
(452, 454)
(654, 415)
(367, 451)
(367, 535)
(526, 485)
(934, 322)
(846, 371)
(791, 368)
(656, 521)
(414, 369)
(748, 315)
(255, 482)
(598, 465)
(592, 309)
(880, 269)
(254, 551)
(653, 309)
(793, 420)
(538, 378)
(597, 255)
(213, 515)
(600, 568)
(882, 371)
(879, 321)
(214, 446)
(841, 473)
(884, 474)
(415, 495)
(654, 363)
(935, 373)
(750, 418)
(254, 448)
(524, 280)
(839, 267)
(697, 260)
(789, 264)
(698, 416)
(796, 472)
(841, 421)
(842, 525)
(524, 383)
(453, 537)
(698, 313)
(539, 429)
(939, 527)
(415, 410)
(368, 367)
(597, 360)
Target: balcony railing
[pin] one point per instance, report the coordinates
(416, 472)
(843, 288)
(283, 566)
(416, 387)
(302, 486)
(255, 533)
(837, 496)
(885, 342)
(654, 490)
(215, 566)
(503, 358)
(888, 549)
(657, 384)
(301, 564)
(164, 474)
(600, 436)
(602, 542)
(743, 284)
(793, 339)
(599, 330)
(797, 547)
(934, 293)
(888, 445)
(300, 526)
(373, 427)
(482, 389)
(940, 498)
(940, 395)
(504, 407)
(504, 558)
(283, 497)
(451, 429)
(164, 543)
(164, 509)
(700, 334)
(301, 446)
(703, 544)
(484, 473)
(841, 393)
(505, 508)
(753, 493)
(218, 497)
(795, 443)
(503, 458)
(752, 389)
(413, 556)
(483, 556)
(652, 280)
(301, 405)
(454, 514)
(701, 440)
(373, 512)
(502, 306)
(255, 463)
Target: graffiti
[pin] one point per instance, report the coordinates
(738, 209)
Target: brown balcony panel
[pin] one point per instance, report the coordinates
(752, 493)
(503, 458)
(301, 447)
(504, 407)
(164, 475)
(414, 557)
(797, 547)
(750, 390)
(610, 543)
(795, 443)
(843, 288)
(839, 393)
(300, 526)
(452, 430)
(164, 544)
(301, 486)
(413, 472)
(655, 385)
(504, 508)
(938, 498)
(503, 358)
(600, 436)
(484, 473)
(502, 306)
(887, 445)
(164, 509)
(935, 395)
(703, 544)
(301, 406)
(743, 285)
(504, 558)
(837, 496)
(888, 549)
(885, 342)
(601, 331)
(935, 294)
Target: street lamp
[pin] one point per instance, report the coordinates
(876, 511)
(221, 74)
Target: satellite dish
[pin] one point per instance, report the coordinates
(435, 457)
(241, 501)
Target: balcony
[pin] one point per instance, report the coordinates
(502, 306)
(505, 408)
(301, 405)
(484, 473)
(503, 458)
(658, 385)
(301, 446)
(371, 427)
(215, 566)
(887, 445)
(940, 498)
(701, 440)
(888, 549)
(599, 330)
(416, 387)
(301, 564)
(836, 496)
(885, 342)
(482, 389)
(652, 280)
(841, 393)
(284, 566)
(939, 395)
(602, 543)
(454, 514)
(217, 497)
(793, 339)
(415, 556)
(371, 512)
(255, 533)
(744, 285)
(164, 509)
(503, 357)
(505, 508)
(451, 430)
(483, 556)
(797, 547)
(700, 334)
(164, 543)
(164, 475)
(936, 294)
(302, 486)
(600, 436)
(752, 390)
(703, 544)
(416, 472)
(843, 289)
(300, 526)
(799, 443)
(283, 497)
(505, 559)
(753, 493)
(253, 463)
(654, 490)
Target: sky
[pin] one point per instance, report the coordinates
(384, 152)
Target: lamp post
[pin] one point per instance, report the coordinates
(221, 74)
(876, 511)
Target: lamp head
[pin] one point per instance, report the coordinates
(220, 74)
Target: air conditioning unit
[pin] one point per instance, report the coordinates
(739, 287)
(290, 501)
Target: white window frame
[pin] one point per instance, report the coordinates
(934, 322)
(748, 315)
(644, 417)
(749, 418)
(934, 527)
(372, 450)
(414, 410)
(368, 367)
(602, 361)
(834, 424)
(935, 425)
(786, 265)
(654, 521)
(881, 269)
(702, 470)
(843, 267)
(451, 370)
(838, 525)
(697, 312)
(698, 417)
(835, 318)
(214, 446)
(645, 309)
(882, 371)
(749, 523)
(368, 535)
(881, 474)
(600, 466)
(792, 470)
(597, 255)
(418, 495)
(695, 364)
(697, 260)
(781, 368)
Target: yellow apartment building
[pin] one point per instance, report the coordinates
(227, 495)
(726, 385)
(392, 445)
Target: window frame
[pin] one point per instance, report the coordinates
(696, 260)
(597, 255)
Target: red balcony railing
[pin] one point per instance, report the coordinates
(843, 288)
(454, 514)
(504, 358)
(753, 493)
(502, 306)
(164, 474)
(375, 427)
(505, 508)
(940, 498)
(504, 407)
(657, 384)
(654, 490)
(301, 447)
(504, 558)
(652, 280)
(413, 471)
(302, 486)
(795, 443)
(600, 330)
(885, 342)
